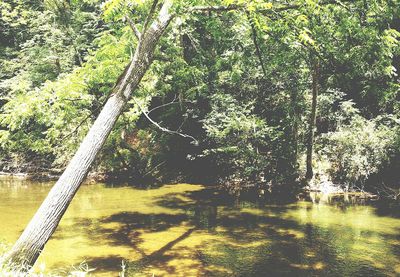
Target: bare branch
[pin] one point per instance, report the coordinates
(164, 105)
(196, 142)
(135, 30)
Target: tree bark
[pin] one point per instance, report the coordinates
(313, 117)
(39, 230)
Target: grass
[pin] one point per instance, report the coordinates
(82, 270)
(10, 271)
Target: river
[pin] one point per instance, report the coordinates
(192, 230)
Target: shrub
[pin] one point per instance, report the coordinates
(359, 147)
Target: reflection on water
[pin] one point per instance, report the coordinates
(190, 230)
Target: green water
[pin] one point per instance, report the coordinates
(190, 230)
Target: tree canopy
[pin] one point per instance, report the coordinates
(235, 77)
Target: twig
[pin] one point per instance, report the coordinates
(196, 142)
(154, 168)
(163, 105)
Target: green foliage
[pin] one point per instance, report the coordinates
(238, 138)
(358, 147)
(38, 111)
(238, 81)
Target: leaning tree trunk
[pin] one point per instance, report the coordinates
(313, 118)
(39, 230)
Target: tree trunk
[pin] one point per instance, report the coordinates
(313, 117)
(294, 112)
(39, 230)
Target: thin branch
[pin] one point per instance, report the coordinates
(163, 105)
(154, 168)
(150, 15)
(254, 36)
(196, 142)
(135, 30)
(75, 130)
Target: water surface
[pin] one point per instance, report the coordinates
(191, 230)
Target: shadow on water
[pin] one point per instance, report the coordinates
(159, 256)
(216, 235)
(189, 230)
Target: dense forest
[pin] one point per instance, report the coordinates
(267, 99)
(248, 94)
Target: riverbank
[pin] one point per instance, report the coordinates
(45, 174)
(322, 186)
